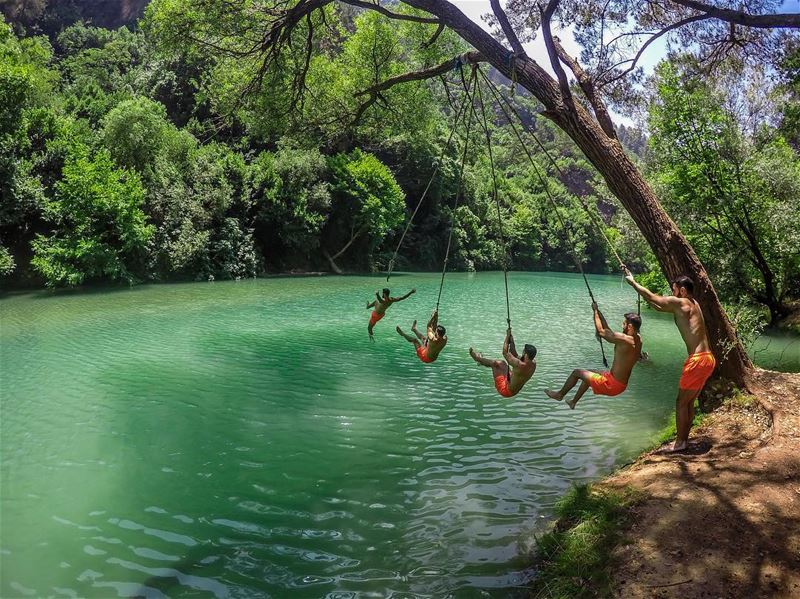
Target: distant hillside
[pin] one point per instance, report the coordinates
(50, 16)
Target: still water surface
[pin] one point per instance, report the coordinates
(245, 439)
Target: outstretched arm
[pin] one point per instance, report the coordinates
(507, 353)
(402, 297)
(659, 302)
(378, 297)
(432, 324)
(601, 325)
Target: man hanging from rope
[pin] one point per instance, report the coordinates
(511, 374)
(700, 363)
(627, 351)
(428, 347)
(380, 306)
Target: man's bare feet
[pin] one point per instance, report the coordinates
(572, 403)
(554, 395)
(685, 448)
(414, 326)
(400, 331)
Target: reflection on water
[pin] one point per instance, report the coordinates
(240, 439)
(777, 351)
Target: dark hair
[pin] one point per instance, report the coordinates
(635, 320)
(385, 291)
(529, 351)
(440, 330)
(685, 282)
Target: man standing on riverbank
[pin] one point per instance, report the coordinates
(700, 363)
(627, 351)
(380, 305)
(428, 347)
(507, 380)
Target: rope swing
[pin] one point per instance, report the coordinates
(496, 196)
(473, 82)
(433, 176)
(550, 197)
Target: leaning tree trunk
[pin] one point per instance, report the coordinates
(674, 253)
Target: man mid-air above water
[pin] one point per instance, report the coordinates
(511, 374)
(700, 363)
(428, 347)
(380, 305)
(627, 351)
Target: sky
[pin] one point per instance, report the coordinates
(536, 50)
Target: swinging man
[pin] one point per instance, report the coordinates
(511, 374)
(627, 351)
(428, 347)
(700, 363)
(380, 305)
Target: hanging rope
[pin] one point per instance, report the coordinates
(550, 197)
(433, 176)
(505, 101)
(496, 199)
(473, 84)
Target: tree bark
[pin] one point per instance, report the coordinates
(674, 253)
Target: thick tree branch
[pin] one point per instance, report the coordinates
(547, 34)
(374, 92)
(529, 73)
(657, 35)
(434, 37)
(466, 58)
(505, 25)
(775, 21)
(388, 13)
(587, 85)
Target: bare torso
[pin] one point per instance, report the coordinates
(380, 307)
(626, 355)
(435, 346)
(521, 375)
(690, 322)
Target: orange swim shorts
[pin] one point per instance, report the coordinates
(501, 384)
(605, 384)
(696, 370)
(375, 317)
(422, 353)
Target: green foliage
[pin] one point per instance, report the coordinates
(6, 262)
(366, 195)
(655, 281)
(575, 559)
(100, 229)
(670, 430)
(789, 69)
(734, 196)
(245, 166)
(290, 199)
(137, 134)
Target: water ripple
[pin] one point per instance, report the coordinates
(246, 439)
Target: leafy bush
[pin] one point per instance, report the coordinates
(6, 261)
(100, 229)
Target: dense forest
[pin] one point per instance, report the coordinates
(132, 154)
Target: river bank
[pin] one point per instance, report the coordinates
(724, 522)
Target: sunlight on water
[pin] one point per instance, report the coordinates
(245, 438)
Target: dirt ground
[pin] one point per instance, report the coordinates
(724, 523)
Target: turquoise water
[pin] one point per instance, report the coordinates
(246, 439)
